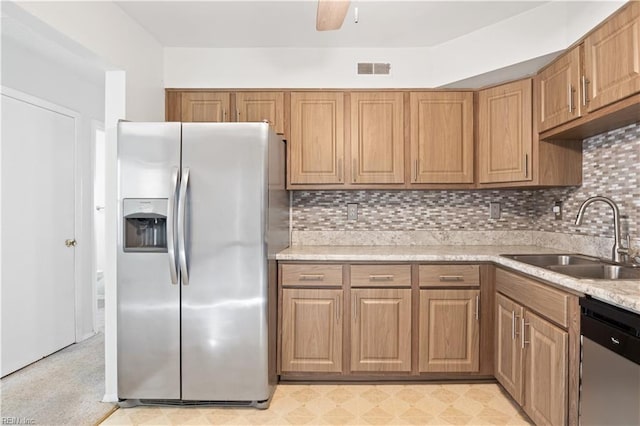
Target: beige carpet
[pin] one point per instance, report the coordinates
(64, 388)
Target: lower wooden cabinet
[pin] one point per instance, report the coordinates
(508, 349)
(311, 330)
(449, 331)
(531, 362)
(545, 371)
(381, 330)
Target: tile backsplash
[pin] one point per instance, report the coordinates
(611, 167)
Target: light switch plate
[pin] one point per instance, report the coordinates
(352, 211)
(494, 210)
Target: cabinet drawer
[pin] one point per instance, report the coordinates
(310, 275)
(449, 275)
(381, 276)
(545, 300)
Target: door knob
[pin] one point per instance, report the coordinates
(70, 243)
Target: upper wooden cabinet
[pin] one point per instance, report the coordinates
(505, 133)
(612, 58)
(205, 106)
(377, 137)
(316, 148)
(560, 91)
(261, 106)
(441, 137)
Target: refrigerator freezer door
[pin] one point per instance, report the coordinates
(148, 303)
(224, 307)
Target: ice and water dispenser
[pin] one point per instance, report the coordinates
(145, 224)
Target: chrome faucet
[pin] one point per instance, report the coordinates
(618, 252)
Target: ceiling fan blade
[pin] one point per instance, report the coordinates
(331, 14)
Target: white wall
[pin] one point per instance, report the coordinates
(104, 30)
(27, 71)
(101, 33)
(518, 39)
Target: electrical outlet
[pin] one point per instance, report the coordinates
(494, 210)
(557, 210)
(352, 211)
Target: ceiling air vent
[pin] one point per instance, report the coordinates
(373, 68)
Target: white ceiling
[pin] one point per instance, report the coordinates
(292, 23)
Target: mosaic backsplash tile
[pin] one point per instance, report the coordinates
(611, 167)
(411, 210)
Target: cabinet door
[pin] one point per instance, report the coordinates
(505, 133)
(508, 366)
(449, 331)
(546, 377)
(317, 137)
(612, 58)
(261, 106)
(377, 137)
(381, 330)
(559, 89)
(442, 137)
(311, 330)
(205, 106)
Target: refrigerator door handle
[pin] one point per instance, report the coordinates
(182, 209)
(171, 244)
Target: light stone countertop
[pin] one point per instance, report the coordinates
(623, 293)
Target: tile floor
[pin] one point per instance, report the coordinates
(411, 404)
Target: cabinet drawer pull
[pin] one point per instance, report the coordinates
(311, 277)
(451, 278)
(380, 277)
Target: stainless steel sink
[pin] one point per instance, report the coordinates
(545, 260)
(599, 271)
(579, 266)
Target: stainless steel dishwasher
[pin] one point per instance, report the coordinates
(610, 365)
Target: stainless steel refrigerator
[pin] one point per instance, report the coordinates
(202, 211)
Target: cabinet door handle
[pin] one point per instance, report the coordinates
(570, 97)
(415, 170)
(585, 99)
(523, 324)
(354, 172)
(337, 309)
(477, 307)
(237, 115)
(513, 325)
(224, 114)
(340, 170)
(526, 165)
(355, 308)
(311, 277)
(380, 277)
(451, 278)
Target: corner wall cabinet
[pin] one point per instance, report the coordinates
(505, 133)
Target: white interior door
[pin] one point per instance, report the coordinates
(38, 289)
